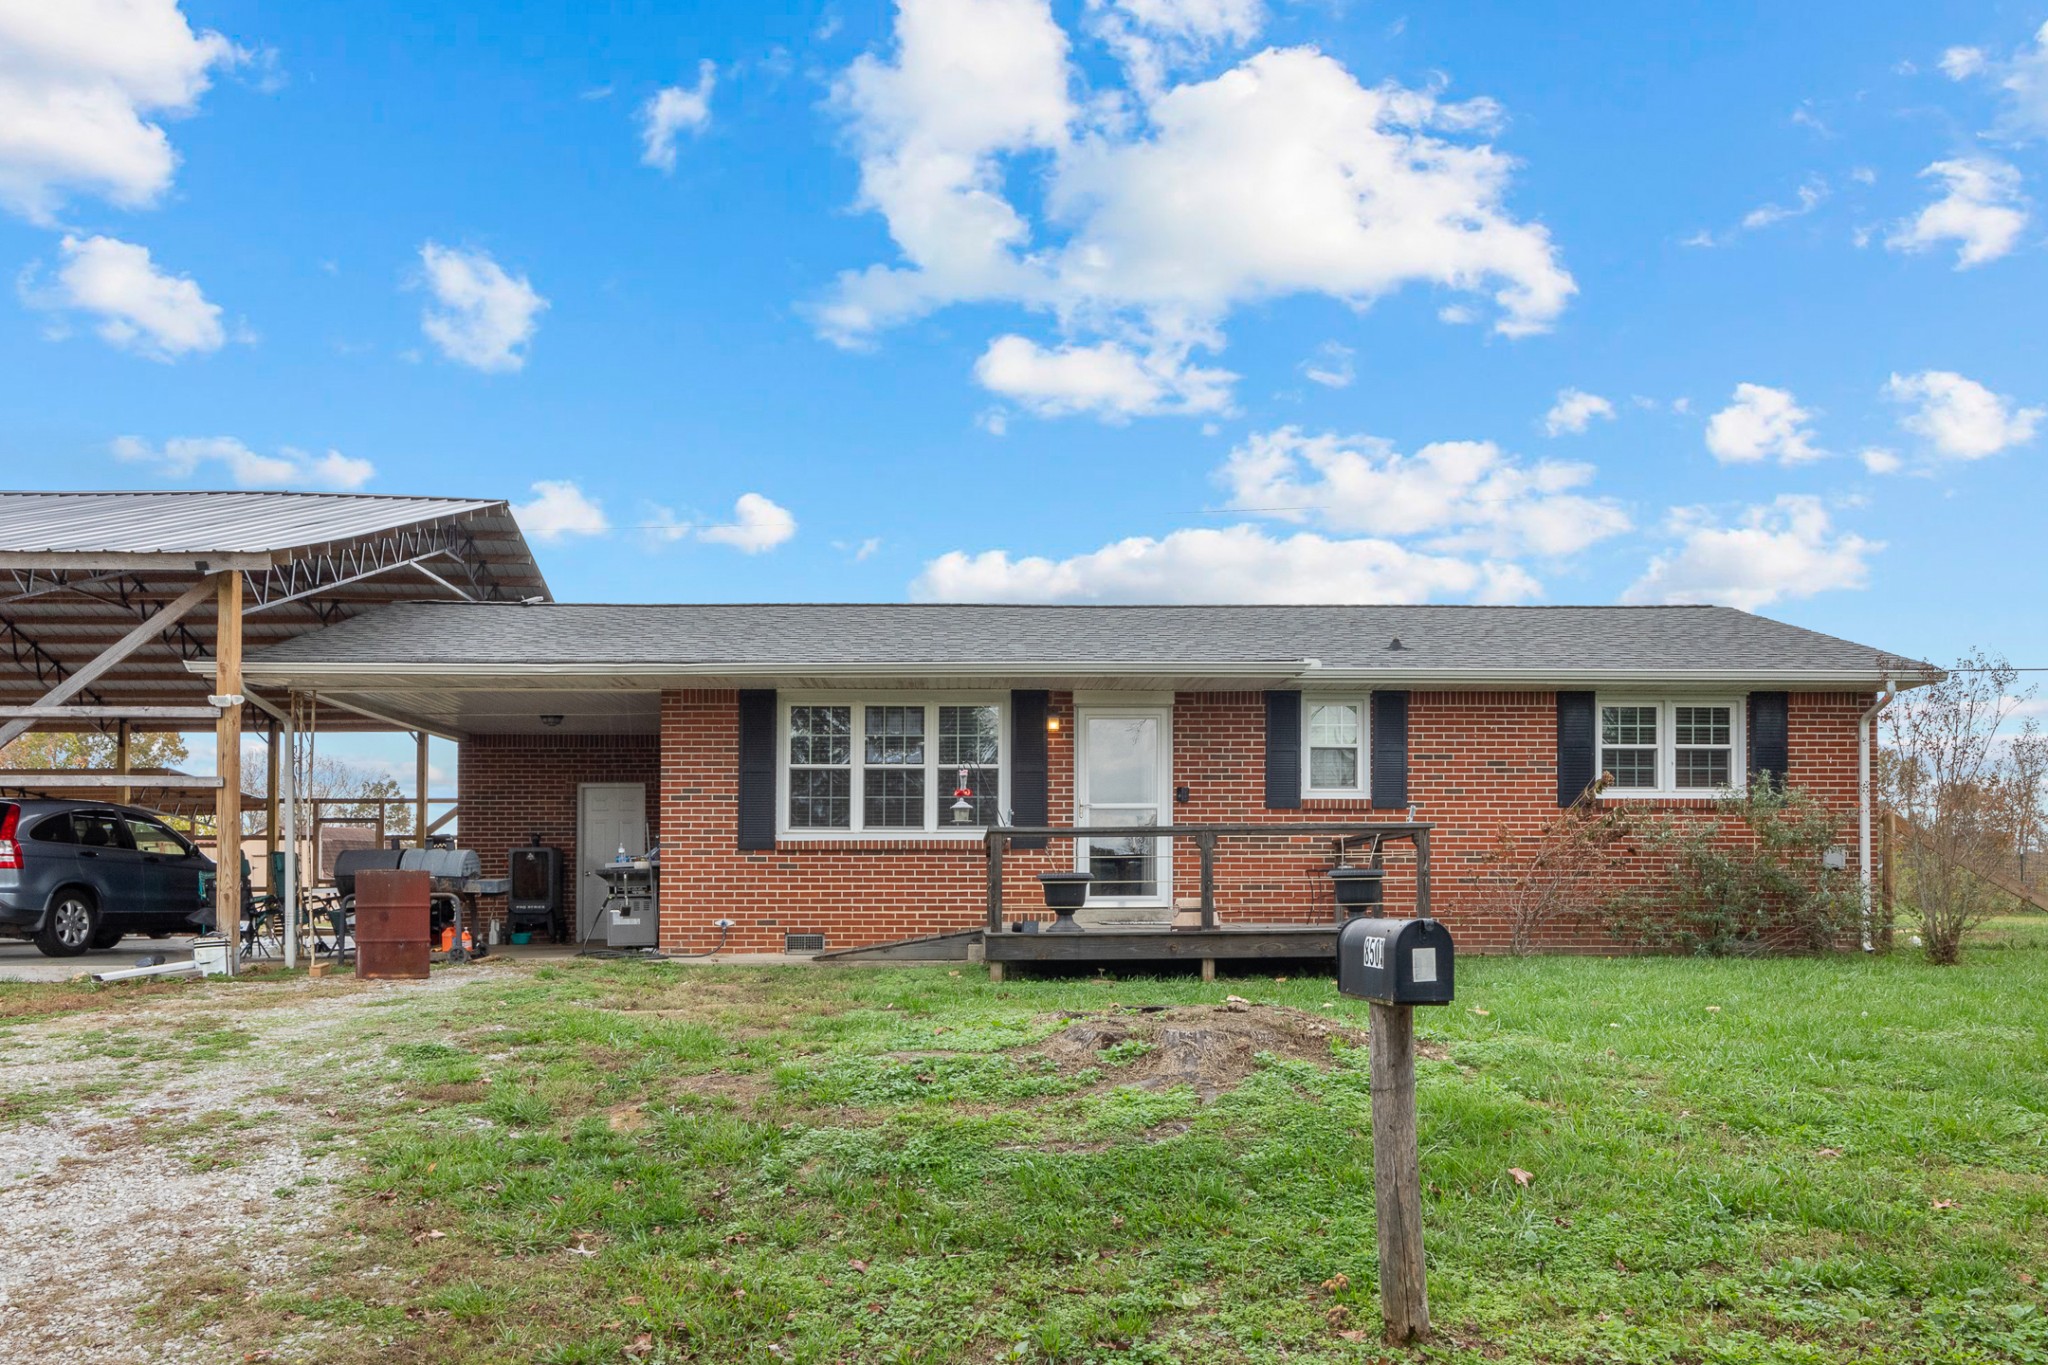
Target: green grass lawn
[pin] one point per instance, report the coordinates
(1839, 1159)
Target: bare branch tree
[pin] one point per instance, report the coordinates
(1955, 782)
(1557, 872)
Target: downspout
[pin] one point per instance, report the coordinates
(1864, 802)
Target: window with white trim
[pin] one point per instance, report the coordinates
(1335, 735)
(1670, 747)
(892, 765)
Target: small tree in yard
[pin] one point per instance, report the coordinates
(1960, 776)
(1555, 873)
(1760, 888)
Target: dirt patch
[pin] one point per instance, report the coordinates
(1211, 1048)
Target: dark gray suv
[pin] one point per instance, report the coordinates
(80, 874)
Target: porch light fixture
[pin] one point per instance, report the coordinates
(551, 721)
(1052, 725)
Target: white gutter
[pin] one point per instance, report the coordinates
(1864, 797)
(341, 675)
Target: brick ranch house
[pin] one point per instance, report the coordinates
(798, 763)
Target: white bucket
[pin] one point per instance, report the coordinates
(215, 956)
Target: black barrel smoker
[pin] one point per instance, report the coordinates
(535, 901)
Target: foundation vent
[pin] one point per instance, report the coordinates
(803, 943)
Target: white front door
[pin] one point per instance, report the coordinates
(1123, 776)
(609, 816)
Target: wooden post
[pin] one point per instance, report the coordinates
(994, 847)
(1421, 876)
(125, 793)
(1206, 844)
(1888, 885)
(1397, 1174)
(419, 823)
(1208, 969)
(270, 800)
(227, 739)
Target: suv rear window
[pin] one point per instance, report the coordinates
(98, 829)
(54, 830)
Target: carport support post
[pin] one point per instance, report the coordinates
(121, 738)
(270, 815)
(419, 790)
(290, 802)
(227, 739)
(1397, 1174)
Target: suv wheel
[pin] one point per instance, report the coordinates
(68, 929)
(108, 936)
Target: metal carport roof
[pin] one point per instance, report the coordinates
(79, 570)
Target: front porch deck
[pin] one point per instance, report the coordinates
(1234, 942)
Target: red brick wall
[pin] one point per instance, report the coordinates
(511, 787)
(1478, 762)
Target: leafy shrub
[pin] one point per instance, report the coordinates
(1742, 887)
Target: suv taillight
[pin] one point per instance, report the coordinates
(10, 851)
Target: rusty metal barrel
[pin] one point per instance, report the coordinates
(394, 915)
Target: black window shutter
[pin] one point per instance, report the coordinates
(1028, 777)
(1577, 765)
(757, 769)
(1768, 726)
(1283, 751)
(1389, 750)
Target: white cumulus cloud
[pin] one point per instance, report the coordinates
(1574, 410)
(1108, 380)
(1961, 63)
(1812, 195)
(757, 524)
(1164, 209)
(482, 316)
(1459, 494)
(1784, 549)
(82, 83)
(1959, 418)
(1152, 37)
(2020, 79)
(560, 508)
(1981, 210)
(672, 111)
(1761, 423)
(1332, 366)
(138, 307)
(182, 457)
(1227, 564)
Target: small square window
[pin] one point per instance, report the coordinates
(1336, 745)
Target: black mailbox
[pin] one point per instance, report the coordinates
(1395, 961)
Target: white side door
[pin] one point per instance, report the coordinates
(609, 816)
(1123, 776)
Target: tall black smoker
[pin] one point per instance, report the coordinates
(534, 905)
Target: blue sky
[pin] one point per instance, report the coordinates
(1131, 300)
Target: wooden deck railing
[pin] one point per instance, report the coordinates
(1347, 835)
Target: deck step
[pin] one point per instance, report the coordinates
(1125, 917)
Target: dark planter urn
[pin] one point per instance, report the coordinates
(1359, 888)
(1065, 892)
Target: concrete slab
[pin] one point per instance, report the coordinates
(21, 962)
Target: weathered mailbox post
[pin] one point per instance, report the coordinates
(1397, 964)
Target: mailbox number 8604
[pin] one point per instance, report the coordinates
(1375, 953)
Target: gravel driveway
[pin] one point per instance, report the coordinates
(163, 1137)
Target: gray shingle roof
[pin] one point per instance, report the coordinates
(748, 637)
